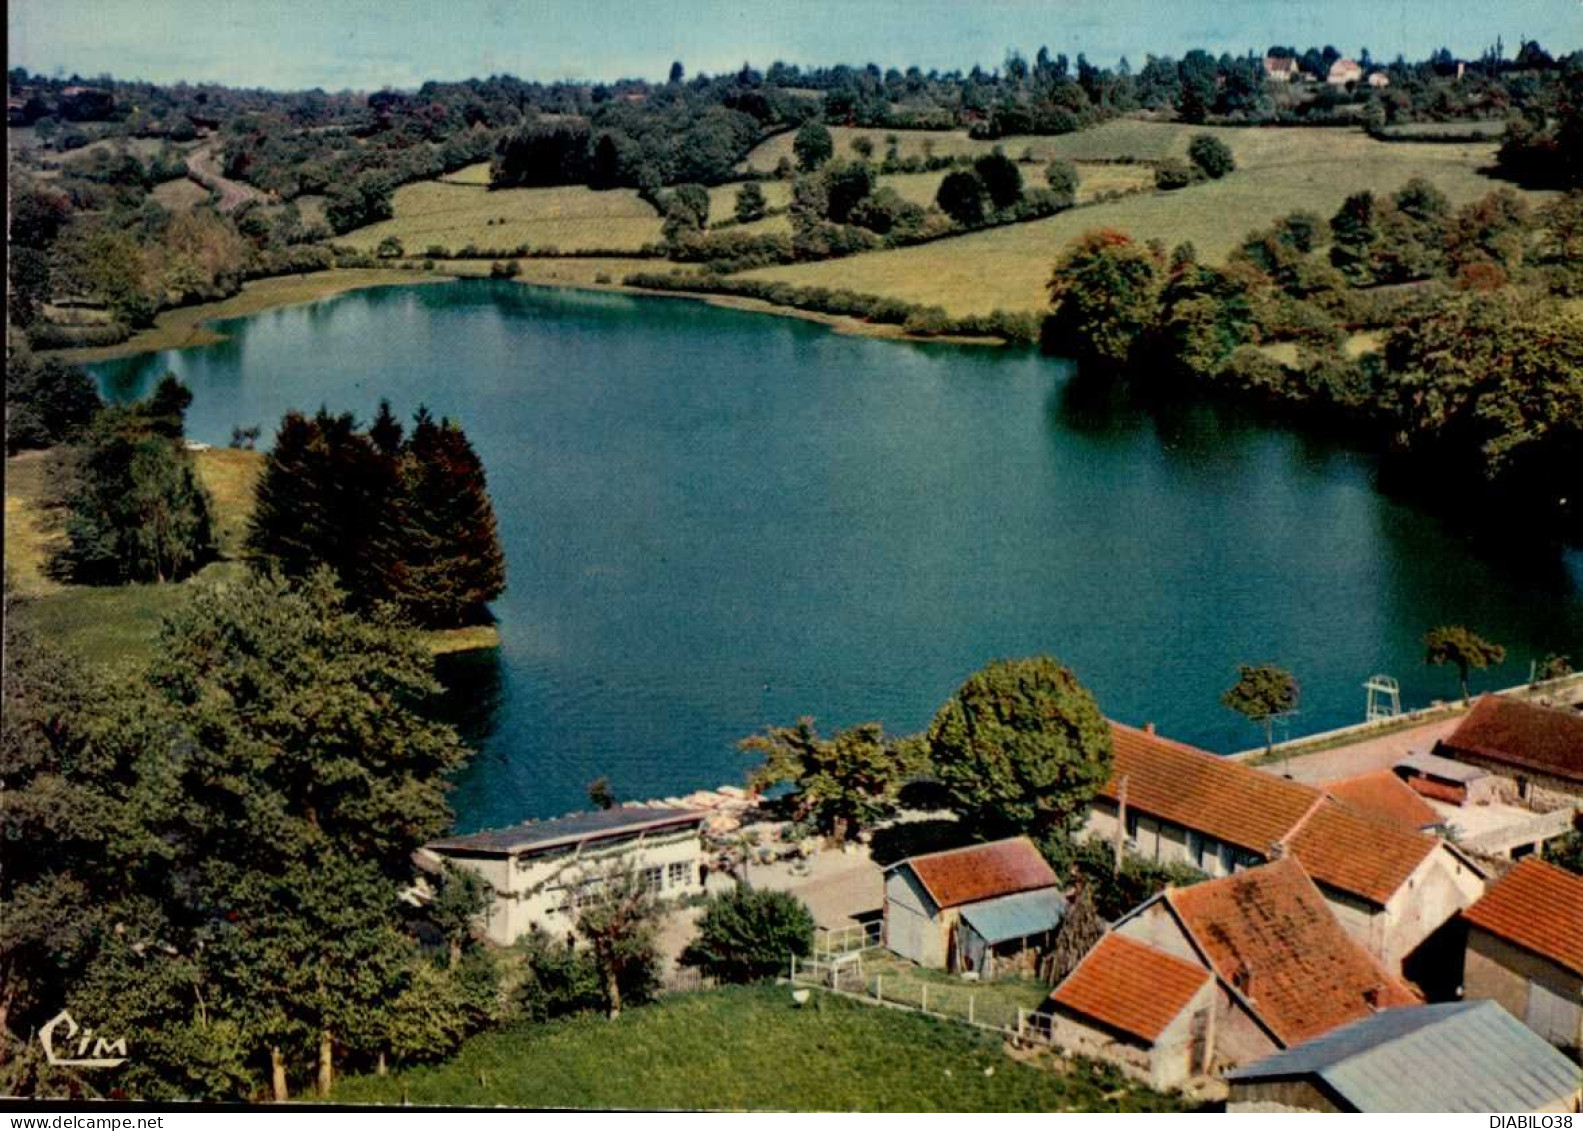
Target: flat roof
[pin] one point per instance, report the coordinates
(600, 824)
(1439, 766)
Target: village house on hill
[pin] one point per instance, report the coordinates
(986, 909)
(1198, 979)
(1525, 950)
(541, 870)
(1537, 750)
(1344, 72)
(1391, 887)
(1280, 68)
(1462, 1056)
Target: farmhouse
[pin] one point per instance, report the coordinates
(541, 869)
(985, 909)
(1525, 950)
(1538, 750)
(1280, 68)
(1379, 80)
(1390, 887)
(1200, 978)
(1344, 71)
(1465, 1056)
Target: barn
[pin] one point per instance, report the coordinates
(986, 909)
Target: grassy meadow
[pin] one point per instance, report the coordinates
(180, 194)
(453, 215)
(750, 1049)
(1278, 172)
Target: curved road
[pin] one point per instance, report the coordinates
(205, 167)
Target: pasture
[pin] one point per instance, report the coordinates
(180, 195)
(749, 1049)
(1278, 172)
(570, 218)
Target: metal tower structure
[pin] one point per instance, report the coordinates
(1385, 698)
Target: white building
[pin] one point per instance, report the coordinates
(539, 869)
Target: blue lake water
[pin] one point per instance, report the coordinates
(715, 521)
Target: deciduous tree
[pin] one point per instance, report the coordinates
(840, 783)
(1262, 692)
(1463, 648)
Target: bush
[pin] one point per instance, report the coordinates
(1211, 155)
(1172, 174)
(1061, 176)
(747, 934)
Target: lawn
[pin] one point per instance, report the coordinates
(723, 199)
(569, 218)
(750, 1048)
(1279, 171)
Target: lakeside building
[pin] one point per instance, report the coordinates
(1464, 1056)
(1202, 978)
(540, 870)
(1393, 889)
(1537, 751)
(984, 909)
(1525, 950)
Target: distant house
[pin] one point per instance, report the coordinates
(1539, 750)
(982, 909)
(1525, 950)
(1465, 1056)
(1385, 797)
(1379, 80)
(1280, 68)
(540, 870)
(1391, 888)
(1218, 974)
(1344, 72)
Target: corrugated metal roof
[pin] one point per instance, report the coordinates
(1465, 1056)
(1439, 766)
(1016, 916)
(623, 820)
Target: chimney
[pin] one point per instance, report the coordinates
(1148, 728)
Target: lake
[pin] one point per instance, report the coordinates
(716, 520)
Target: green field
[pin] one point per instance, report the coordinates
(723, 200)
(180, 194)
(1278, 172)
(750, 1049)
(569, 218)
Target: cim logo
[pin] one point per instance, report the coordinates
(102, 1049)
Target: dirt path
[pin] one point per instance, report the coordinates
(205, 167)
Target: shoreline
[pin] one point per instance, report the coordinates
(188, 327)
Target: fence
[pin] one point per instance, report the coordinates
(991, 1005)
(829, 942)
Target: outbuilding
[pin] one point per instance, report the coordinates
(986, 909)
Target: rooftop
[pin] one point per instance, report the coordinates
(623, 820)
(1446, 769)
(1341, 847)
(1269, 933)
(981, 871)
(1385, 797)
(1538, 907)
(1521, 735)
(1016, 916)
(1460, 1056)
(1130, 986)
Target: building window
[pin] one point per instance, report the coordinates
(653, 879)
(679, 874)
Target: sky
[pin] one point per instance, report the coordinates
(368, 44)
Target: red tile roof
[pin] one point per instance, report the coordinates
(1540, 908)
(1341, 847)
(1385, 797)
(1130, 986)
(1269, 934)
(1345, 849)
(1520, 735)
(982, 871)
(1203, 791)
